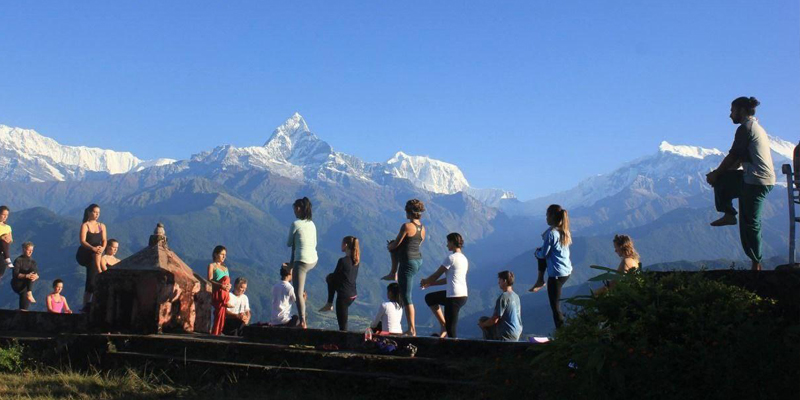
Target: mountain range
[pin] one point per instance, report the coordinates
(241, 197)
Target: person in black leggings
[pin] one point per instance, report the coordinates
(92, 238)
(24, 275)
(554, 258)
(455, 268)
(343, 281)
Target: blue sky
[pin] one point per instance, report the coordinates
(529, 96)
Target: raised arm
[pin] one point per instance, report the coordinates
(547, 245)
(432, 280)
(400, 237)
(735, 155)
(499, 310)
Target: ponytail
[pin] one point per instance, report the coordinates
(566, 236)
(351, 242)
(560, 219)
(304, 205)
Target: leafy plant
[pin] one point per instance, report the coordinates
(11, 358)
(671, 336)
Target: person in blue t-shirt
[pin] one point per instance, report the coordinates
(506, 323)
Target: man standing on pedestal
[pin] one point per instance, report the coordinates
(751, 184)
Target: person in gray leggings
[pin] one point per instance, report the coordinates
(303, 241)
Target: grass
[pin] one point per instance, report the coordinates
(54, 384)
(49, 383)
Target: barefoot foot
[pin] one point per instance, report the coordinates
(537, 286)
(326, 307)
(30, 297)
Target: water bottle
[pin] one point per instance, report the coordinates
(368, 334)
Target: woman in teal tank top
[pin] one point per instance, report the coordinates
(219, 276)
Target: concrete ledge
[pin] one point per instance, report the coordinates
(42, 322)
(427, 346)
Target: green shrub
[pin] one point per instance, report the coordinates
(672, 337)
(11, 358)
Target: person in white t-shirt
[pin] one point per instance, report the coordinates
(390, 313)
(237, 315)
(282, 299)
(455, 268)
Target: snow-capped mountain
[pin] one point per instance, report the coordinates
(432, 175)
(295, 152)
(27, 156)
(292, 151)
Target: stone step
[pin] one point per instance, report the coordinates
(385, 385)
(429, 347)
(266, 354)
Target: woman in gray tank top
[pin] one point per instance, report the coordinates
(406, 250)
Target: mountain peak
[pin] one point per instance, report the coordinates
(430, 174)
(294, 142)
(293, 127)
(688, 151)
(399, 156)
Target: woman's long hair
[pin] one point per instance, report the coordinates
(625, 243)
(560, 219)
(304, 205)
(217, 250)
(351, 243)
(87, 213)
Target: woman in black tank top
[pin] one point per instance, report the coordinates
(92, 244)
(407, 257)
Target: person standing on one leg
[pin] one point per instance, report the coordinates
(303, 241)
(93, 240)
(25, 274)
(555, 251)
(750, 185)
(455, 268)
(407, 248)
(342, 282)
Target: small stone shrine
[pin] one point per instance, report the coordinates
(152, 291)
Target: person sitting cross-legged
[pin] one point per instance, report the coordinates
(56, 302)
(238, 313)
(390, 313)
(283, 297)
(506, 322)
